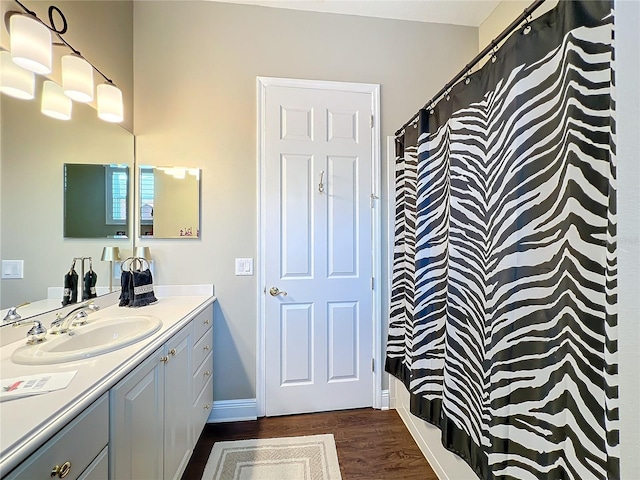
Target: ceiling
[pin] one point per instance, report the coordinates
(457, 12)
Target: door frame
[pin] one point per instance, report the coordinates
(376, 216)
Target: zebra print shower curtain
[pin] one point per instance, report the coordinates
(503, 320)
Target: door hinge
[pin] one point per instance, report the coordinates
(373, 365)
(372, 197)
(371, 121)
(372, 283)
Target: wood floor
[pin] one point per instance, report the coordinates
(371, 444)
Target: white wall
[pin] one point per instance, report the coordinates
(196, 65)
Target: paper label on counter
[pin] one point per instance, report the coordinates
(28, 385)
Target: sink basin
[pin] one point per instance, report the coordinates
(102, 336)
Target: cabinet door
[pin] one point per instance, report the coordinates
(137, 410)
(177, 405)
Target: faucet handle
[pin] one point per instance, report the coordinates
(36, 333)
(12, 313)
(79, 319)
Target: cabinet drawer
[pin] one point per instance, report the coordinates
(202, 322)
(202, 375)
(79, 443)
(99, 468)
(202, 348)
(202, 409)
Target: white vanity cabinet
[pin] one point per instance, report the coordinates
(78, 451)
(128, 415)
(154, 413)
(202, 390)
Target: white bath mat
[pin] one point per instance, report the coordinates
(291, 458)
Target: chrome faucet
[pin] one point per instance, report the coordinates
(36, 333)
(12, 313)
(74, 317)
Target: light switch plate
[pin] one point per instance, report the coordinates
(12, 268)
(244, 266)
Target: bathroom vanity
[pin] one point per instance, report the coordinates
(133, 413)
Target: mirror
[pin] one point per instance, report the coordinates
(96, 200)
(34, 149)
(169, 202)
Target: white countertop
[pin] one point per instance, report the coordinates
(27, 423)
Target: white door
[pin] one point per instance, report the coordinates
(318, 249)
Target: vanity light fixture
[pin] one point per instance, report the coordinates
(15, 81)
(31, 48)
(30, 42)
(55, 103)
(110, 254)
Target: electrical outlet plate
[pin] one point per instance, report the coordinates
(12, 268)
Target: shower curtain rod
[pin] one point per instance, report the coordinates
(466, 70)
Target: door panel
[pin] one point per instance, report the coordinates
(343, 341)
(318, 244)
(342, 126)
(342, 217)
(297, 344)
(296, 216)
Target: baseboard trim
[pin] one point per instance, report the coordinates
(233, 410)
(384, 400)
(445, 464)
(409, 422)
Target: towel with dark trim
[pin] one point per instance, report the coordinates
(89, 285)
(142, 281)
(126, 291)
(70, 294)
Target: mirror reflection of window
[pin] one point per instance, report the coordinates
(116, 201)
(146, 201)
(169, 202)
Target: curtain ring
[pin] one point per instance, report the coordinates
(526, 29)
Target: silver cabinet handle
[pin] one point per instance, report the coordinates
(275, 291)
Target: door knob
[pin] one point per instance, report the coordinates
(275, 291)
